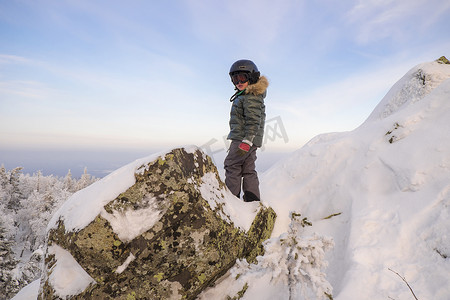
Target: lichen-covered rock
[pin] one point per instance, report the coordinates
(443, 60)
(168, 236)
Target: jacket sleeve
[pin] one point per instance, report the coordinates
(253, 110)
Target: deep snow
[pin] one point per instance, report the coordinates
(381, 192)
(390, 181)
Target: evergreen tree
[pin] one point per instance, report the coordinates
(85, 180)
(3, 185)
(68, 182)
(27, 203)
(294, 259)
(3, 177)
(13, 189)
(7, 265)
(38, 181)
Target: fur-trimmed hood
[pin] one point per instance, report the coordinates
(259, 87)
(248, 113)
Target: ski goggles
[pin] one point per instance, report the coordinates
(240, 78)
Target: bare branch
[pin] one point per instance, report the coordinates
(403, 278)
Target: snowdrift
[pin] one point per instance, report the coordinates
(385, 188)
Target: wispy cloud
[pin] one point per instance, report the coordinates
(24, 89)
(12, 59)
(153, 69)
(374, 20)
(247, 26)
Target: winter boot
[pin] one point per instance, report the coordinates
(250, 197)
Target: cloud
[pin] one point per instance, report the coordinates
(131, 69)
(374, 20)
(250, 26)
(24, 88)
(12, 59)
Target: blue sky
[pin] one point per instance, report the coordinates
(148, 74)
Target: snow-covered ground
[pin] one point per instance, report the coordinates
(390, 181)
(380, 194)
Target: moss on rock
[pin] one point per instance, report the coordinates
(185, 251)
(443, 60)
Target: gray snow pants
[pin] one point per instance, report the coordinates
(241, 170)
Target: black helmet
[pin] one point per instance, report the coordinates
(245, 66)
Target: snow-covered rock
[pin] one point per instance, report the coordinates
(163, 227)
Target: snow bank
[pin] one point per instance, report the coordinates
(412, 87)
(381, 191)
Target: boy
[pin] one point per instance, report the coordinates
(247, 118)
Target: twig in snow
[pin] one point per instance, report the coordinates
(332, 215)
(403, 278)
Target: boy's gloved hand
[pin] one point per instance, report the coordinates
(244, 147)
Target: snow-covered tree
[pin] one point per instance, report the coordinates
(26, 205)
(7, 264)
(296, 260)
(69, 182)
(85, 180)
(3, 177)
(4, 181)
(13, 192)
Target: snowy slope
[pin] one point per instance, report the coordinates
(381, 192)
(390, 180)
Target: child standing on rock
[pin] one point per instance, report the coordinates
(247, 118)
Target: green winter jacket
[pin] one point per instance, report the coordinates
(248, 113)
